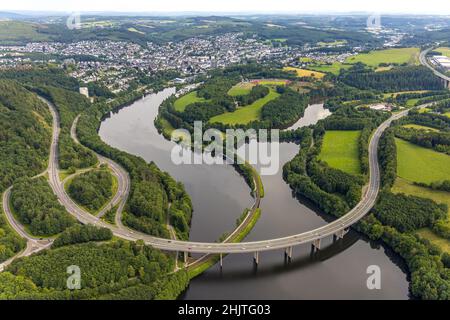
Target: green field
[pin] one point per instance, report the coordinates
(271, 82)
(190, 98)
(244, 115)
(406, 187)
(334, 68)
(397, 56)
(373, 59)
(241, 89)
(332, 44)
(417, 164)
(340, 150)
(444, 51)
(419, 127)
(447, 114)
(442, 243)
(16, 30)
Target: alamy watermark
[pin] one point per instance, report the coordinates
(73, 22)
(374, 280)
(374, 22)
(260, 148)
(74, 280)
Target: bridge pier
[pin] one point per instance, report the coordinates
(186, 254)
(256, 258)
(288, 253)
(221, 261)
(340, 234)
(315, 246)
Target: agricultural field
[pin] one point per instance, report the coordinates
(444, 51)
(340, 150)
(135, 30)
(381, 69)
(440, 242)
(241, 89)
(334, 68)
(15, 30)
(373, 59)
(190, 98)
(405, 187)
(419, 127)
(417, 164)
(271, 82)
(394, 56)
(305, 73)
(246, 114)
(396, 94)
(332, 44)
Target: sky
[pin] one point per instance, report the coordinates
(261, 6)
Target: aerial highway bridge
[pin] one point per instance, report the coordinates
(424, 61)
(337, 229)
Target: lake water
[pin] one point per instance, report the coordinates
(220, 195)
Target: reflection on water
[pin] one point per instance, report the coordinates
(220, 195)
(313, 114)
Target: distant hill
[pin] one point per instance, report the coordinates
(11, 15)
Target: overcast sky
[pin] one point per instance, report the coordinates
(291, 6)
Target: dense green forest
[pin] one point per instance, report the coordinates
(81, 234)
(25, 133)
(408, 213)
(69, 104)
(285, 110)
(92, 189)
(151, 190)
(397, 79)
(62, 91)
(10, 242)
(37, 207)
(119, 270)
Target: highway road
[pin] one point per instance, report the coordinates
(424, 61)
(336, 227)
(123, 180)
(313, 236)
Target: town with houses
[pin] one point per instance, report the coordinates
(116, 64)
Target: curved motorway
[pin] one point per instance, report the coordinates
(424, 61)
(336, 227)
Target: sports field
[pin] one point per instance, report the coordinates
(244, 115)
(417, 164)
(340, 150)
(306, 73)
(190, 98)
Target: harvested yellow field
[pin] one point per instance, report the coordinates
(301, 73)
